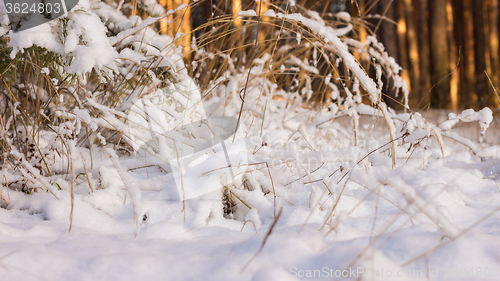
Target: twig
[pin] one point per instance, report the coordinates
(439, 82)
(248, 75)
(314, 208)
(307, 175)
(338, 200)
(246, 223)
(263, 242)
(491, 83)
(232, 193)
(274, 191)
(182, 183)
(72, 188)
(85, 170)
(4, 199)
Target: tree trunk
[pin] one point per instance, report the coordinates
(403, 50)
(470, 97)
(424, 52)
(414, 66)
(262, 6)
(236, 6)
(439, 54)
(163, 21)
(492, 9)
(459, 37)
(388, 35)
(453, 59)
(480, 49)
(179, 22)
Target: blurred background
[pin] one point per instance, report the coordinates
(448, 49)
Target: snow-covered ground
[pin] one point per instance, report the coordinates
(425, 218)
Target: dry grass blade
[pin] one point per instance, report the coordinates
(452, 239)
(493, 86)
(72, 189)
(263, 242)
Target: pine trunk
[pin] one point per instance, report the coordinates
(439, 54)
(453, 59)
(494, 49)
(470, 95)
(424, 52)
(414, 62)
(480, 50)
(388, 35)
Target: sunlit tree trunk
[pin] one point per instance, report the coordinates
(414, 66)
(163, 21)
(326, 7)
(459, 37)
(236, 6)
(453, 59)
(402, 43)
(180, 22)
(357, 13)
(492, 10)
(133, 12)
(361, 11)
(439, 54)
(262, 6)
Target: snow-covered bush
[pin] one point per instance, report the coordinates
(68, 86)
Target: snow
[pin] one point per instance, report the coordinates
(248, 13)
(85, 48)
(484, 117)
(349, 190)
(153, 8)
(384, 218)
(270, 13)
